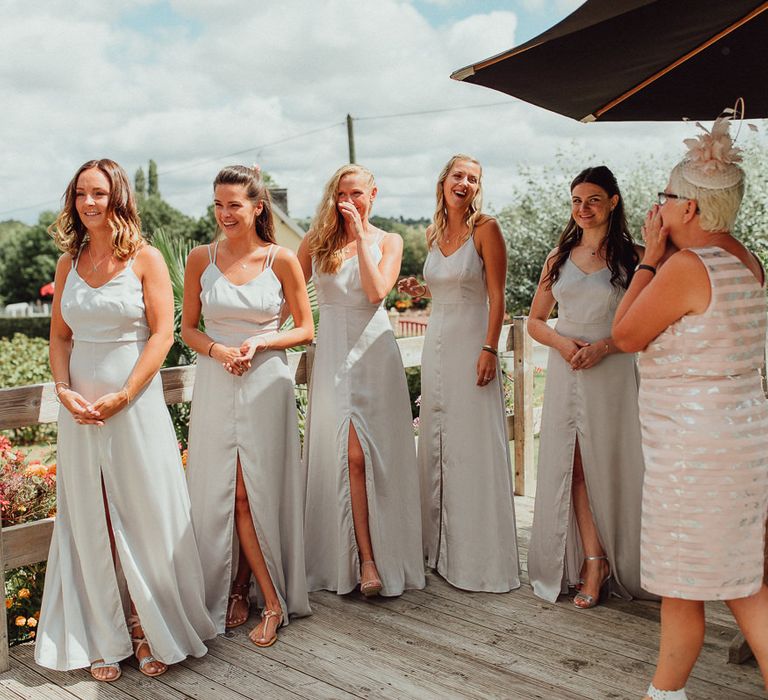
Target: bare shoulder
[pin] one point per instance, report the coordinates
(391, 241)
(285, 259)
(149, 261)
(487, 228)
(684, 266)
(64, 263)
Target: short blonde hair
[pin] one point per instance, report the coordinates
(326, 236)
(68, 231)
(718, 208)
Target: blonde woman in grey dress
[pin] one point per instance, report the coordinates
(120, 489)
(586, 521)
(245, 478)
(467, 505)
(362, 513)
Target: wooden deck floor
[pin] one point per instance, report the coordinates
(436, 643)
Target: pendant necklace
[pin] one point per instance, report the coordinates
(94, 265)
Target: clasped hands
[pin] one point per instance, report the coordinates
(87, 413)
(237, 361)
(580, 354)
(412, 287)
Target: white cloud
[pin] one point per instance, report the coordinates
(79, 84)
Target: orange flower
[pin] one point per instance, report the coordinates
(52, 469)
(184, 457)
(36, 615)
(35, 469)
(20, 621)
(32, 634)
(8, 603)
(31, 622)
(23, 593)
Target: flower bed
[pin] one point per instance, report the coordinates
(27, 493)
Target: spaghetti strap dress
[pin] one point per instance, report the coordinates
(136, 458)
(705, 438)
(251, 418)
(467, 505)
(358, 379)
(597, 406)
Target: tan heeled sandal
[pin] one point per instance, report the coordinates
(263, 640)
(138, 642)
(372, 585)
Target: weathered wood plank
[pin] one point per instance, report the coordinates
(27, 543)
(525, 474)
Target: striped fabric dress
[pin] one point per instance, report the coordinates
(705, 440)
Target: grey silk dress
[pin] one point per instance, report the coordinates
(599, 407)
(135, 455)
(251, 418)
(467, 505)
(358, 378)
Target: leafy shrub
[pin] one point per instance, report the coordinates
(24, 361)
(23, 598)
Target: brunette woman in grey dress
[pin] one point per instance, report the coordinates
(586, 522)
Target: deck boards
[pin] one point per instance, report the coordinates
(436, 643)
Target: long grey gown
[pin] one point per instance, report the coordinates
(136, 455)
(358, 378)
(599, 407)
(253, 418)
(467, 505)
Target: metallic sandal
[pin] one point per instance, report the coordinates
(103, 664)
(655, 694)
(138, 642)
(590, 600)
(371, 586)
(234, 598)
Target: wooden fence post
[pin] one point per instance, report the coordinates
(521, 344)
(4, 655)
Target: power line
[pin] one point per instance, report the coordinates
(432, 111)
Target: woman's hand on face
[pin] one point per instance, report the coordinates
(486, 368)
(655, 235)
(352, 218)
(588, 356)
(568, 347)
(82, 411)
(106, 406)
(412, 287)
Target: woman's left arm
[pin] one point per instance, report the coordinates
(489, 243)
(378, 280)
(151, 269)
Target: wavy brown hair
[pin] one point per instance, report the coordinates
(440, 218)
(326, 237)
(256, 191)
(69, 232)
(620, 254)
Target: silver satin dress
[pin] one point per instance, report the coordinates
(251, 418)
(358, 378)
(136, 455)
(599, 407)
(467, 505)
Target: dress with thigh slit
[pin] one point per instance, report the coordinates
(358, 378)
(468, 512)
(597, 407)
(136, 456)
(251, 418)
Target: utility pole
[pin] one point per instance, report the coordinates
(351, 139)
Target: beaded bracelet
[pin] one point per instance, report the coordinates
(490, 349)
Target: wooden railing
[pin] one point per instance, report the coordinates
(25, 544)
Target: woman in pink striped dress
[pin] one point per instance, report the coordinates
(701, 324)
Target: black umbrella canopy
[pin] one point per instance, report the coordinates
(645, 60)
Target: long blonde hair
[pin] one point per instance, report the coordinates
(68, 231)
(436, 232)
(326, 237)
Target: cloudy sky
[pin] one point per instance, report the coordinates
(197, 84)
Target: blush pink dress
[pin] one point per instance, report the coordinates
(705, 438)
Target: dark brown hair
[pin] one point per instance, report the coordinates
(620, 254)
(256, 191)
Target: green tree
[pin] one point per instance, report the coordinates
(140, 184)
(157, 214)
(27, 261)
(153, 186)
